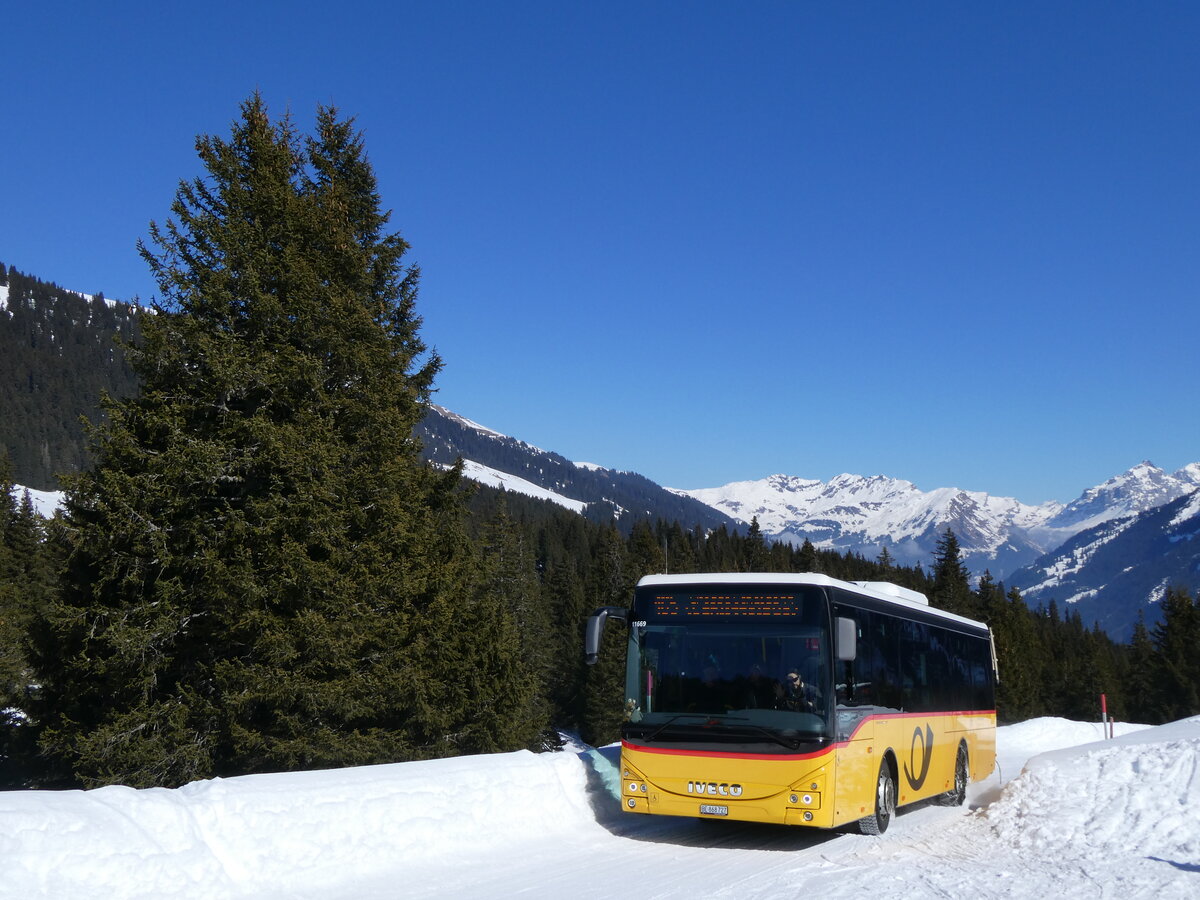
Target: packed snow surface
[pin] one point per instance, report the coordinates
(1067, 814)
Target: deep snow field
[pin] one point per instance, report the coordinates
(1066, 815)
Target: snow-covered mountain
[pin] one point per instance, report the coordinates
(854, 513)
(598, 493)
(1143, 487)
(1124, 565)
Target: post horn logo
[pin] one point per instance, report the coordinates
(926, 740)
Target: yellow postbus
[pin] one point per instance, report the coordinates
(798, 699)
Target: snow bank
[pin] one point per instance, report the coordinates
(1137, 794)
(1017, 743)
(257, 835)
(1067, 816)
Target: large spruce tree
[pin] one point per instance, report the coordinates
(262, 573)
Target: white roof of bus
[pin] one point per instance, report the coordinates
(879, 590)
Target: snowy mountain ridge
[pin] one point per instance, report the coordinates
(1113, 571)
(854, 513)
(1143, 487)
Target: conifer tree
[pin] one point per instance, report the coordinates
(604, 688)
(645, 555)
(1142, 690)
(569, 607)
(887, 562)
(12, 609)
(262, 573)
(1176, 639)
(1019, 659)
(512, 676)
(952, 578)
(757, 557)
(807, 560)
(679, 555)
(26, 579)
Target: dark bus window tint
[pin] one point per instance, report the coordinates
(983, 691)
(887, 667)
(913, 666)
(914, 673)
(940, 671)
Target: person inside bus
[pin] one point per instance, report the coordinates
(795, 694)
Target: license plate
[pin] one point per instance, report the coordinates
(708, 809)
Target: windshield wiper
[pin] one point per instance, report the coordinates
(742, 724)
(775, 736)
(671, 721)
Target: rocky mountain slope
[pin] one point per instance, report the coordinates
(1124, 565)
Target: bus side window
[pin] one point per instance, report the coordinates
(843, 671)
(914, 646)
(887, 674)
(867, 669)
(853, 679)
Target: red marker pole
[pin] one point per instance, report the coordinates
(1104, 714)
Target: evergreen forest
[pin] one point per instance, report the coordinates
(61, 355)
(256, 570)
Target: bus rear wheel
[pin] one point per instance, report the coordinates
(885, 803)
(957, 795)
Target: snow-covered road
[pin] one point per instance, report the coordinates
(1118, 818)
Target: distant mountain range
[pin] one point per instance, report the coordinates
(853, 513)
(1113, 551)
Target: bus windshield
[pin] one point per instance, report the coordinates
(757, 679)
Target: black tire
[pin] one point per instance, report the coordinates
(885, 802)
(957, 795)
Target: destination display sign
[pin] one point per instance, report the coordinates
(723, 605)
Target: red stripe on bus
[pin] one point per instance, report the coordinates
(915, 715)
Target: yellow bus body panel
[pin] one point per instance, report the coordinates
(825, 789)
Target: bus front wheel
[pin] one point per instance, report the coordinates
(885, 802)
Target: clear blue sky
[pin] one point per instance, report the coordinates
(950, 242)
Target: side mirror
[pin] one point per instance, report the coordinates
(595, 630)
(847, 639)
